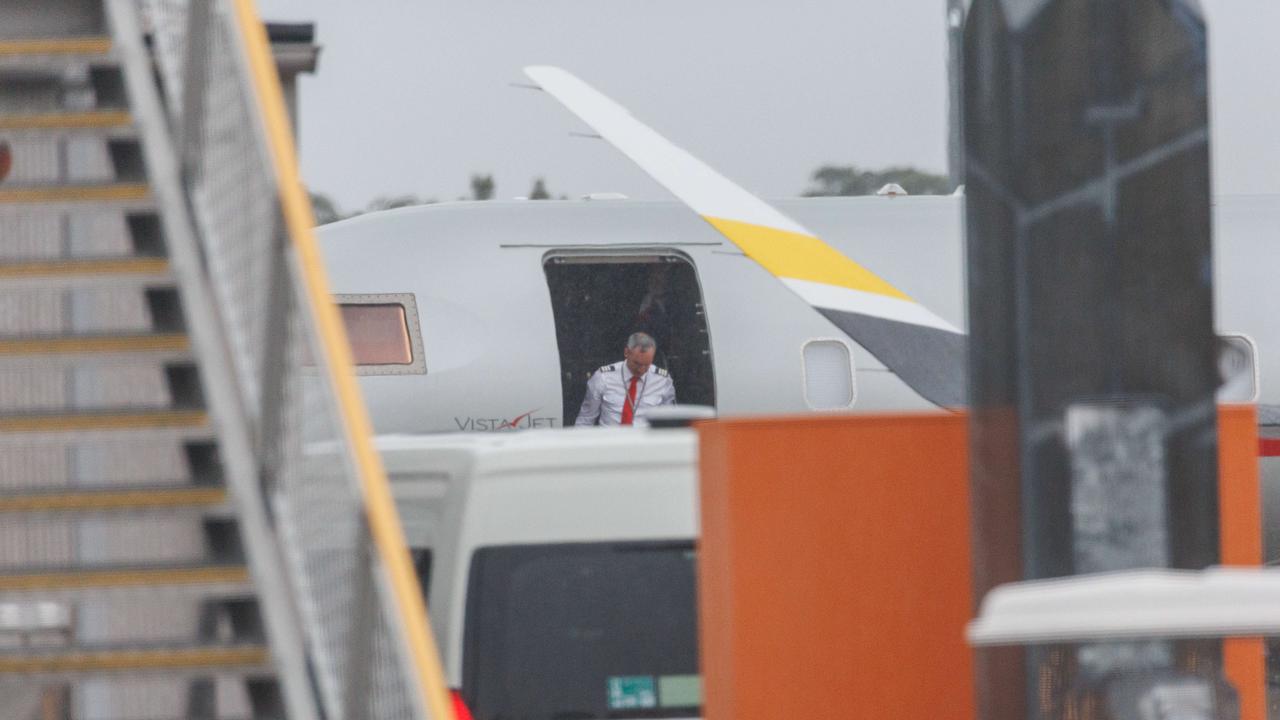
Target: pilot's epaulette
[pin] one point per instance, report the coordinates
(607, 368)
(662, 372)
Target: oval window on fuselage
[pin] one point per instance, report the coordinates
(828, 375)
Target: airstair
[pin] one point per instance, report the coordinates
(192, 523)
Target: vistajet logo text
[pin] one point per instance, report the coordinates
(523, 421)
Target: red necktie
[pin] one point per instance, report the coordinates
(628, 408)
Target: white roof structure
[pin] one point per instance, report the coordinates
(584, 483)
(1219, 602)
(528, 451)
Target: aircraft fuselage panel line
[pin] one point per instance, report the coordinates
(924, 357)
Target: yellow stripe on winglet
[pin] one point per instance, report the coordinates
(802, 257)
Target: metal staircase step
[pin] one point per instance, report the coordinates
(104, 123)
(137, 600)
(205, 579)
(92, 46)
(125, 195)
(182, 660)
(173, 718)
(73, 427)
(85, 272)
(49, 58)
(113, 499)
(91, 349)
(102, 421)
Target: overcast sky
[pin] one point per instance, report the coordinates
(412, 96)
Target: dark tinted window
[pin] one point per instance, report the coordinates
(567, 632)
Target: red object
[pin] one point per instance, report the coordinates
(460, 709)
(629, 407)
(1268, 447)
(1240, 532)
(6, 160)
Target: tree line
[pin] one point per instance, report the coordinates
(826, 181)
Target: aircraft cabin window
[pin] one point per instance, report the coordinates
(1238, 363)
(828, 375)
(598, 301)
(384, 333)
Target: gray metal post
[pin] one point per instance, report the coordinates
(190, 139)
(956, 10)
(1092, 349)
(364, 612)
(288, 644)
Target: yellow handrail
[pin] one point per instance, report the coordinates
(384, 522)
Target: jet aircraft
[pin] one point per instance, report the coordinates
(489, 316)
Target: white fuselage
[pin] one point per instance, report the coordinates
(476, 272)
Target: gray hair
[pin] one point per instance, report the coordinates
(640, 341)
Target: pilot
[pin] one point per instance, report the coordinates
(617, 394)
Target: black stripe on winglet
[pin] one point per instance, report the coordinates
(929, 360)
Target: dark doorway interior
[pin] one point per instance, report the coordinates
(598, 302)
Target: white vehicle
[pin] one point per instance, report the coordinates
(558, 568)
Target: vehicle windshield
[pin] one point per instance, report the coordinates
(578, 631)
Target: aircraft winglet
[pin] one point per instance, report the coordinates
(924, 350)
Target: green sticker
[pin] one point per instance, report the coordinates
(632, 691)
(680, 690)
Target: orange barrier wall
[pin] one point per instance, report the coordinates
(834, 565)
(1240, 510)
(834, 568)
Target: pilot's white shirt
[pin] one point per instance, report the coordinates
(607, 392)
